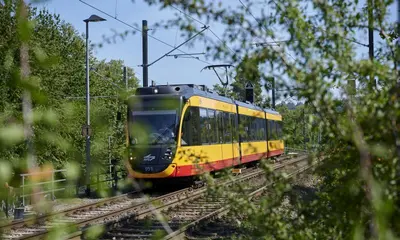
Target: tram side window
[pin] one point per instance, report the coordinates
(220, 126)
(265, 130)
(213, 131)
(241, 128)
(279, 129)
(244, 128)
(249, 131)
(204, 126)
(227, 130)
(274, 133)
(272, 130)
(252, 128)
(260, 129)
(190, 128)
(257, 129)
(235, 127)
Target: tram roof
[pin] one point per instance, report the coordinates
(189, 90)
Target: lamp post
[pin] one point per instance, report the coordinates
(92, 18)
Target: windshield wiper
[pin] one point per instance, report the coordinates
(162, 134)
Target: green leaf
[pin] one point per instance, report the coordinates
(12, 134)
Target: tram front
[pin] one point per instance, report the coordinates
(153, 120)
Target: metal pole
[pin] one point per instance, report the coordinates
(87, 113)
(125, 78)
(304, 127)
(145, 54)
(319, 134)
(398, 38)
(371, 37)
(109, 157)
(53, 197)
(23, 190)
(273, 92)
(370, 29)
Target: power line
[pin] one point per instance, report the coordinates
(111, 81)
(198, 21)
(84, 97)
(177, 47)
(348, 39)
(137, 29)
(136, 73)
(248, 10)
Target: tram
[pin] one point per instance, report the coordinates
(180, 131)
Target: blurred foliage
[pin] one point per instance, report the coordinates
(358, 192)
(56, 82)
(358, 195)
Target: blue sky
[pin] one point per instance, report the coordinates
(169, 69)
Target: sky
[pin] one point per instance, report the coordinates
(168, 70)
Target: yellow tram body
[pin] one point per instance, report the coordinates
(213, 134)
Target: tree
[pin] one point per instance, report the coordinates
(57, 83)
(358, 186)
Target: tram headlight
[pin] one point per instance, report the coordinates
(168, 155)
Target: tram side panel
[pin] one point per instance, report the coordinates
(253, 138)
(275, 141)
(206, 139)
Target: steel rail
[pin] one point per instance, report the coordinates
(137, 209)
(224, 210)
(195, 195)
(22, 222)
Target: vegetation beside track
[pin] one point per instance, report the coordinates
(359, 188)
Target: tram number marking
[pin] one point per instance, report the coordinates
(148, 169)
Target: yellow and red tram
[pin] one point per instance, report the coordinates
(178, 131)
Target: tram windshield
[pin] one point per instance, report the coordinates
(152, 127)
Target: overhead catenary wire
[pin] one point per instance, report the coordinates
(94, 97)
(136, 73)
(198, 21)
(177, 47)
(110, 81)
(348, 39)
(139, 30)
(248, 10)
(176, 36)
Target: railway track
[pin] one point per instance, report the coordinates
(188, 213)
(220, 225)
(113, 212)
